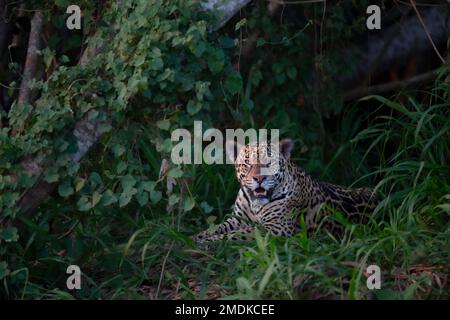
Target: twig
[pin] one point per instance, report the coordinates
(32, 60)
(250, 43)
(419, 4)
(426, 31)
(163, 266)
(225, 8)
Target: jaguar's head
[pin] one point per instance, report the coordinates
(261, 167)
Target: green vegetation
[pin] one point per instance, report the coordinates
(127, 223)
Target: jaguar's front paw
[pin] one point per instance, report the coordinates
(201, 237)
(202, 241)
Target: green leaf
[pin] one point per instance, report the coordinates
(84, 204)
(104, 127)
(118, 150)
(72, 168)
(168, 74)
(65, 189)
(291, 72)
(175, 172)
(79, 183)
(152, 10)
(62, 3)
(265, 279)
(173, 199)
(127, 182)
(96, 196)
(163, 124)
(260, 42)
(234, 83)
(226, 42)
(148, 186)
(9, 234)
(121, 166)
(210, 220)
(155, 196)
(247, 104)
(240, 24)
(92, 115)
(189, 203)
(95, 179)
(142, 198)
(64, 59)
(140, 60)
(124, 199)
(166, 146)
(198, 49)
(51, 175)
(129, 193)
(216, 61)
(156, 64)
(193, 107)
(394, 105)
(108, 198)
(206, 207)
(387, 294)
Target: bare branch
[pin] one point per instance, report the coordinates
(226, 9)
(426, 31)
(87, 132)
(249, 44)
(32, 60)
(394, 45)
(391, 86)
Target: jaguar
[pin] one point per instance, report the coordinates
(273, 189)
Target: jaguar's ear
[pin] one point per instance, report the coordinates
(286, 146)
(232, 149)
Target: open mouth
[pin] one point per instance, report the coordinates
(260, 192)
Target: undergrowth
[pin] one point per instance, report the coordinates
(125, 215)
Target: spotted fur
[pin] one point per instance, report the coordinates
(273, 188)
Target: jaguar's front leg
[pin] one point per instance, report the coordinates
(282, 225)
(230, 228)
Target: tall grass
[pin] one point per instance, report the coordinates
(142, 254)
(409, 237)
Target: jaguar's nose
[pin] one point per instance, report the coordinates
(259, 178)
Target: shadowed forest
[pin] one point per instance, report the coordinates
(86, 117)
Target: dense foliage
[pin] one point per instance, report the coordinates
(124, 214)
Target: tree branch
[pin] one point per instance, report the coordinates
(32, 60)
(225, 9)
(87, 132)
(391, 86)
(395, 45)
(426, 31)
(250, 43)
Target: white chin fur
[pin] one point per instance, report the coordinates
(262, 201)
